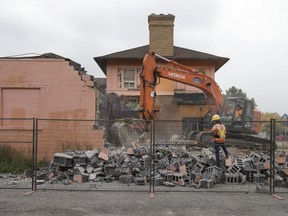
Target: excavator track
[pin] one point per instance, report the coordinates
(236, 139)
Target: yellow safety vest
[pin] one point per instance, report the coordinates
(219, 131)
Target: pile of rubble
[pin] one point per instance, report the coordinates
(172, 166)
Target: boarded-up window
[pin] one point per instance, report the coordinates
(20, 103)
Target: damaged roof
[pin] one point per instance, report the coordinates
(179, 54)
(49, 55)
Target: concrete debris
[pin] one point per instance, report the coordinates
(173, 165)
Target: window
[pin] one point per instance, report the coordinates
(129, 78)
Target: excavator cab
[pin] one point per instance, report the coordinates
(239, 116)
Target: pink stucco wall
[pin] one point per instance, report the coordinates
(165, 87)
(52, 86)
(47, 89)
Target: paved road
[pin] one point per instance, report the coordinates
(16, 202)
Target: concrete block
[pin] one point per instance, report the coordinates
(81, 178)
(174, 166)
(141, 151)
(78, 170)
(254, 157)
(92, 176)
(203, 160)
(159, 155)
(284, 172)
(217, 174)
(239, 162)
(286, 184)
(187, 181)
(214, 173)
(40, 182)
(42, 176)
(258, 166)
(211, 161)
(279, 183)
(158, 181)
(109, 169)
(162, 164)
(250, 176)
(199, 167)
(103, 156)
(168, 184)
(178, 179)
(185, 158)
(89, 169)
(229, 162)
(234, 168)
(120, 159)
(28, 173)
(206, 183)
(183, 169)
(92, 153)
(231, 177)
(169, 177)
(126, 179)
(280, 160)
(145, 161)
(62, 160)
(130, 151)
(140, 180)
(242, 178)
(80, 159)
(267, 165)
(125, 170)
(247, 165)
(198, 178)
(259, 178)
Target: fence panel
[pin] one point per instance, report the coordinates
(81, 158)
(81, 155)
(16, 153)
(281, 157)
(186, 165)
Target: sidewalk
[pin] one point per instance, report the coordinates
(15, 202)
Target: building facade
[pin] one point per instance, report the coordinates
(183, 101)
(49, 87)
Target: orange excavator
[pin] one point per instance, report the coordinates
(227, 109)
(242, 120)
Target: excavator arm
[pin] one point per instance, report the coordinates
(175, 72)
(239, 133)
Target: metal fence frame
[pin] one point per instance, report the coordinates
(10, 128)
(35, 135)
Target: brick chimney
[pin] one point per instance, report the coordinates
(161, 34)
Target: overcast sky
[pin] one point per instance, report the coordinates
(252, 33)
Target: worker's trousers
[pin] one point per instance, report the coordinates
(217, 152)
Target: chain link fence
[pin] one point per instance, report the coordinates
(106, 155)
(17, 140)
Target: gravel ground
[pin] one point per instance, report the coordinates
(74, 203)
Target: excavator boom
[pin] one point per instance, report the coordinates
(175, 72)
(240, 130)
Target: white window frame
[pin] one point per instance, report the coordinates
(129, 84)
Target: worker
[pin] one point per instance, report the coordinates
(219, 132)
(238, 113)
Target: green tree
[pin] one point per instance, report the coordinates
(279, 127)
(237, 92)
